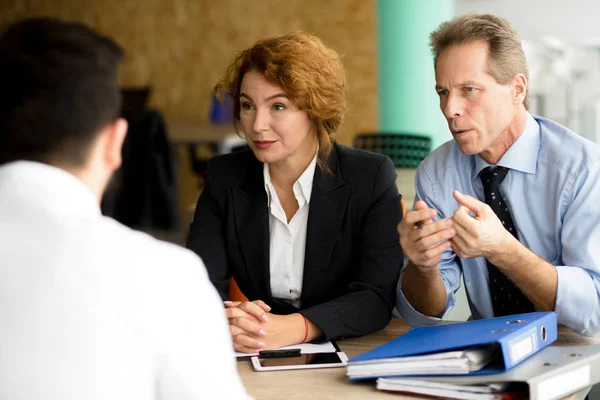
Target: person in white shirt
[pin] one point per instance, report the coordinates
(305, 226)
(89, 309)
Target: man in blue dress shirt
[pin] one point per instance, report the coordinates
(510, 202)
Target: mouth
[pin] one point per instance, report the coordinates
(459, 131)
(264, 144)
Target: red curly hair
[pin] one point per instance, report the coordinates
(310, 73)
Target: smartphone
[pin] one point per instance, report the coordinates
(304, 361)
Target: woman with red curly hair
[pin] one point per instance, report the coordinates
(305, 226)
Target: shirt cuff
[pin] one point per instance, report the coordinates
(414, 318)
(577, 300)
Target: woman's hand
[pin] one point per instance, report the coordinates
(283, 330)
(253, 328)
(245, 319)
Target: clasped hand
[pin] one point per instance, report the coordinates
(480, 235)
(254, 328)
(424, 240)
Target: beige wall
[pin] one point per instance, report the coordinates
(182, 47)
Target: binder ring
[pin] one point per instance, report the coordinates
(544, 333)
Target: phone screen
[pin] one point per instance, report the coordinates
(303, 359)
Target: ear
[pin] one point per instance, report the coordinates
(519, 89)
(114, 143)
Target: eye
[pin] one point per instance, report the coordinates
(247, 106)
(278, 107)
(470, 89)
(442, 92)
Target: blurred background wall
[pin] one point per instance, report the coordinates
(182, 47)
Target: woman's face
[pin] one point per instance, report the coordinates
(277, 131)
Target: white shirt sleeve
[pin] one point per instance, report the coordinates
(199, 362)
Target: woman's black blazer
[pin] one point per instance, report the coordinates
(353, 256)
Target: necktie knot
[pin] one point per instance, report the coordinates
(492, 178)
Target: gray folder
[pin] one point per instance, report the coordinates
(553, 373)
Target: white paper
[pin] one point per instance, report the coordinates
(305, 348)
(446, 390)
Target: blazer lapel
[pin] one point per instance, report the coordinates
(327, 209)
(251, 217)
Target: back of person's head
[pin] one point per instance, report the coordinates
(59, 90)
(506, 58)
(310, 73)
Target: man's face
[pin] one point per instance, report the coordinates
(478, 109)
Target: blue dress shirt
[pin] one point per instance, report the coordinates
(552, 191)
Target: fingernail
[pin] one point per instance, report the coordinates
(227, 302)
(265, 317)
(262, 332)
(262, 345)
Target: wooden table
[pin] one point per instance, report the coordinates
(331, 383)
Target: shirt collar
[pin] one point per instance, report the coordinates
(48, 187)
(302, 187)
(522, 155)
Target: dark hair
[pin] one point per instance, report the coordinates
(59, 89)
(506, 56)
(308, 71)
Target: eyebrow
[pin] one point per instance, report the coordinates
(267, 99)
(469, 82)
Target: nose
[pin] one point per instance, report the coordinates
(261, 121)
(452, 106)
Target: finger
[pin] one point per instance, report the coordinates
(462, 216)
(229, 304)
(459, 246)
(236, 312)
(470, 202)
(246, 341)
(432, 256)
(430, 229)
(412, 217)
(248, 325)
(238, 327)
(262, 305)
(436, 238)
(464, 233)
(420, 205)
(254, 310)
(245, 349)
(235, 330)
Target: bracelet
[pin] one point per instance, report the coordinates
(305, 329)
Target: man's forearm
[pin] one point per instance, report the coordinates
(425, 292)
(537, 278)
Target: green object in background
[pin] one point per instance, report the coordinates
(408, 103)
(405, 151)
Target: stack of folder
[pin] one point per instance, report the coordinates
(518, 368)
(488, 346)
(489, 391)
(554, 373)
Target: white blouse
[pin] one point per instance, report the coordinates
(288, 240)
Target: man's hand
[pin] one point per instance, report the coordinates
(479, 235)
(423, 240)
